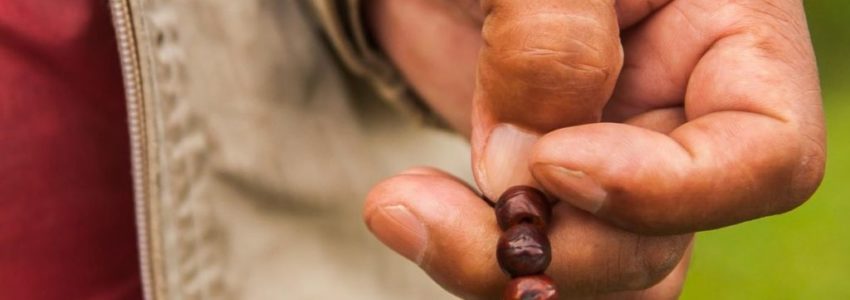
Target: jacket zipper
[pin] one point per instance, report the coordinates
(122, 22)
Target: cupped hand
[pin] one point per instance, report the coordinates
(711, 115)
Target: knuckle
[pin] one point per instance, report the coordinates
(808, 174)
(800, 169)
(641, 262)
(563, 66)
(554, 51)
(775, 29)
(661, 260)
(654, 260)
(561, 69)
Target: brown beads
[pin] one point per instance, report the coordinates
(523, 204)
(523, 250)
(538, 287)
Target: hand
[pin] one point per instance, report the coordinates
(439, 223)
(715, 119)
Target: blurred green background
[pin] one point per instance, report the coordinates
(804, 254)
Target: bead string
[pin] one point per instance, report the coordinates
(524, 252)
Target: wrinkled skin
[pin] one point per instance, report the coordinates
(711, 116)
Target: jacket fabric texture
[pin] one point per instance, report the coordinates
(258, 127)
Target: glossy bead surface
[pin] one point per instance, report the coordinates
(538, 287)
(523, 250)
(523, 204)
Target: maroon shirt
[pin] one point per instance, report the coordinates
(66, 208)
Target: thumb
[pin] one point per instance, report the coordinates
(439, 223)
(545, 64)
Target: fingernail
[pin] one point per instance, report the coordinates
(504, 162)
(400, 230)
(572, 186)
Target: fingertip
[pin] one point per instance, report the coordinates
(618, 172)
(572, 186)
(398, 188)
(572, 164)
(399, 213)
(401, 230)
(436, 221)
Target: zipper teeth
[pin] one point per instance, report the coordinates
(126, 49)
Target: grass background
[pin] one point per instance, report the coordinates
(804, 254)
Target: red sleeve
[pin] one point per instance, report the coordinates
(66, 208)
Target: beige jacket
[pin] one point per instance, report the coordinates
(253, 149)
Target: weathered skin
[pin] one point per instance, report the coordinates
(546, 65)
(715, 119)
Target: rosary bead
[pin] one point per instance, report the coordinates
(538, 287)
(523, 250)
(523, 204)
